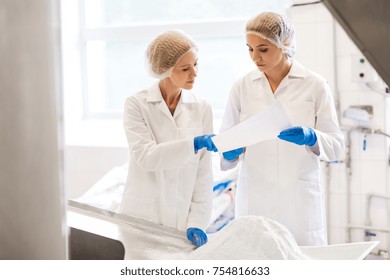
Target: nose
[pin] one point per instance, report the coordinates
(256, 56)
(194, 71)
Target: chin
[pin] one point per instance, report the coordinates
(261, 69)
(188, 86)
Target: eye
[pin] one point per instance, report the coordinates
(250, 49)
(186, 69)
(263, 49)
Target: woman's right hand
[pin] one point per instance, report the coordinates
(204, 141)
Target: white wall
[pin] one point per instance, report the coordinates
(86, 165)
(323, 46)
(370, 167)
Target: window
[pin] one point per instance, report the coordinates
(104, 42)
(116, 34)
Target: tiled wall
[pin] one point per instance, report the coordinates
(324, 46)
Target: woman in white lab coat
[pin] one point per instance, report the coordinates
(170, 176)
(281, 179)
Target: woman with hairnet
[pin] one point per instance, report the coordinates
(281, 178)
(169, 132)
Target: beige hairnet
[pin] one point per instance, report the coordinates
(165, 51)
(275, 28)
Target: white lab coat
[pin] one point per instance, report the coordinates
(278, 179)
(167, 182)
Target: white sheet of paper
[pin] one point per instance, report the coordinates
(265, 125)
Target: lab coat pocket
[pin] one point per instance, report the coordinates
(301, 113)
(310, 206)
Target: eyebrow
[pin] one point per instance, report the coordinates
(189, 64)
(261, 45)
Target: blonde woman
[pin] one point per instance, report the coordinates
(169, 131)
(281, 179)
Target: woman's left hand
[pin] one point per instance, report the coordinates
(299, 135)
(197, 236)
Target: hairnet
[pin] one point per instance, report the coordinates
(275, 28)
(165, 51)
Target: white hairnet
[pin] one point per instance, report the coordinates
(165, 51)
(275, 28)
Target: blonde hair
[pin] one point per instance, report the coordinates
(165, 50)
(276, 28)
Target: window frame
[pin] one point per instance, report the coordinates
(198, 29)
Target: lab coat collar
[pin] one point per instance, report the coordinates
(296, 71)
(186, 97)
(154, 95)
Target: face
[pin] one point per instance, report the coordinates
(185, 71)
(264, 54)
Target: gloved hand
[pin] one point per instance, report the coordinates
(299, 135)
(197, 236)
(204, 141)
(233, 154)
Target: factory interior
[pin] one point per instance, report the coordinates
(67, 68)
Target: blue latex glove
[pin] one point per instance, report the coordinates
(197, 236)
(205, 141)
(233, 154)
(299, 135)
